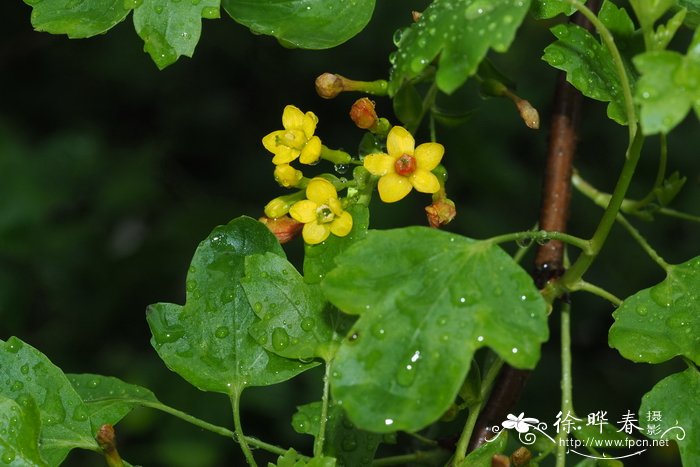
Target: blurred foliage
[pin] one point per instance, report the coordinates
(111, 172)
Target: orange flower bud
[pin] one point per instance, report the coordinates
(440, 213)
(284, 228)
(363, 114)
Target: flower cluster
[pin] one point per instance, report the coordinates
(315, 208)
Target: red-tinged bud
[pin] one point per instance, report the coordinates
(416, 15)
(329, 85)
(529, 114)
(107, 441)
(284, 228)
(499, 460)
(363, 114)
(441, 212)
(521, 457)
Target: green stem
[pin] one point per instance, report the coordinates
(432, 457)
(567, 407)
(219, 430)
(423, 439)
(643, 243)
(679, 215)
(335, 156)
(543, 236)
(595, 290)
(321, 437)
(486, 386)
(586, 258)
(242, 441)
(609, 41)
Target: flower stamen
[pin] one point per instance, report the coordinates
(405, 165)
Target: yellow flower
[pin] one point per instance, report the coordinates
(322, 213)
(297, 140)
(405, 168)
(287, 176)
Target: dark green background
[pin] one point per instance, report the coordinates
(111, 172)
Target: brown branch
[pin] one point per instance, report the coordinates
(554, 214)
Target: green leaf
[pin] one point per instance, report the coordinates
(427, 300)
(544, 9)
(295, 319)
(319, 259)
(348, 444)
(169, 28)
(207, 341)
(483, 455)
(649, 11)
(588, 66)
(692, 18)
(19, 433)
(671, 186)
(293, 459)
(408, 106)
(309, 24)
(668, 87)
(675, 398)
(64, 416)
(461, 32)
(77, 18)
(661, 322)
(109, 399)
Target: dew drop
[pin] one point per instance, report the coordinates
(307, 324)
(14, 346)
(24, 369)
(131, 4)
(8, 456)
(280, 339)
(349, 444)
(418, 63)
(195, 2)
(480, 339)
(378, 330)
(341, 168)
(514, 350)
(158, 9)
(524, 242)
(396, 38)
(641, 310)
(221, 332)
(80, 414)
(211, 12)
(388, 421)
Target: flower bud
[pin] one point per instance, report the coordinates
(329, 85)
(284, 228)
(363, 114)
(441, 212)
(287, 176)
(278, 207)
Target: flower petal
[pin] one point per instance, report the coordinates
(342, 225)
(379, 164)
(429, 155)
(284, 155)
(336, 206)
(292, 118)
(399, 141)
(393, 187)
(304, 211)
(309, 124)
(424, 181)
(315, 233)
(320, 190)
(270, 141)
(311, 152)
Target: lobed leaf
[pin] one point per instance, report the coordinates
(545, 9)
(427, 300)
(669, 86)
(207, 341)
(309, 24)
(348, 444)
(661, 322)
(588, 66)
(293, 459)
(461, 32)
(675, 398)
(295, 319)
(171, 28)
(31, 378)
(19, 433)
(76, 18)
(109, 399)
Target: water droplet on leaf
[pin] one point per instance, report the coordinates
(221, 332)
(280, 339)
(307, 324)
